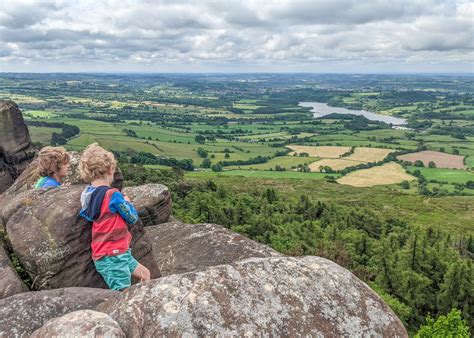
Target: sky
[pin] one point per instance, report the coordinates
(321, 36)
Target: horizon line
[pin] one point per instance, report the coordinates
(237, 73)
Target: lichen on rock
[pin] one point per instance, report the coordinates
(81, 323)
(23, 313)
(276, 296)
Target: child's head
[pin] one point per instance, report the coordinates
(97, 163)
(53, 162)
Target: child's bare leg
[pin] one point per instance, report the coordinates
(142, 273)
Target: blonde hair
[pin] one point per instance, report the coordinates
(51, 159)
(95, 163)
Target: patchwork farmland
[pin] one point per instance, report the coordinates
(339, 158)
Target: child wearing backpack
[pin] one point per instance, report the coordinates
(110, 212)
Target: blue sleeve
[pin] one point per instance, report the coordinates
(119, 205)
(49, 182)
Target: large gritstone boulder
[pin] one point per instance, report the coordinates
(15, 144)
(53, 243)
(30, 176)
(278, 296)
(153, 201)
(180, 247)
(82, 323)
(23, 313)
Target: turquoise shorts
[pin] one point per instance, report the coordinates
(117, 270)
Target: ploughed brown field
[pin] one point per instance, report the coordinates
(442, 160)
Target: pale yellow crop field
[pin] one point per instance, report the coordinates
(319, 151)
(389, 173)
(366, 154)
(331, 156)
(333, 163)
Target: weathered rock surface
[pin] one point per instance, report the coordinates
(6, 178)
(53, 242)
(28, 178)
(153, 201)
(82, 323)
(278, 296)
(180, 247)
(10, 282)
(23, 313)
(15, 144)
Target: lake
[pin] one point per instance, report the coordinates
(321, 109)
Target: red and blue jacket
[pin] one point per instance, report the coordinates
(109, 213)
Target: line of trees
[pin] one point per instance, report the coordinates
(253, 160)
(143, 157)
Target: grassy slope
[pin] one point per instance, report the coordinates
(454, 214)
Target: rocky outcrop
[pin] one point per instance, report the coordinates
(278, 296)
(271, 295)
(23, 313)
(53, 243)
(10, 282)
(28, 178)
(153, 201)
(15, 144)
(180, 247)
(82, 323)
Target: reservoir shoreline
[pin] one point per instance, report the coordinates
(321, 109)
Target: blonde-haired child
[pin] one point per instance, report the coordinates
(110, 212)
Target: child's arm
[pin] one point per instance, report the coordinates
(123, 207)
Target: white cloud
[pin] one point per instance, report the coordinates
(133, 35)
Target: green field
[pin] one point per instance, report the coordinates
(38, 113)
(469, 161)
(261, 174)
(445, 175)
(42, 134)
(286, 162)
